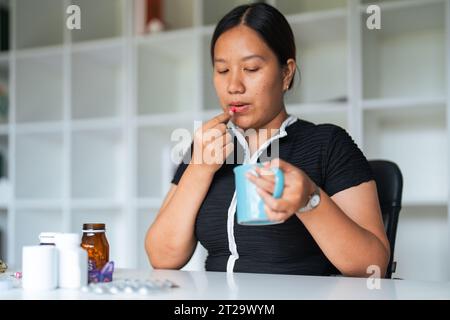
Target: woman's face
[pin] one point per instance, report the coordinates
(248, 78)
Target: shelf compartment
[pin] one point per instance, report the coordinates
(4, 91)
(98, 79)
(422, 247)
(98, 169)
(39, 166)
(214, 10)
(322, 49)
(97, 204)
(166, 78)
(406, 57)
(39, 89)
(154, 160)
(116, 229)
(39, 23)
(29, 223)
(145, 219)
(415, 139)
(335, 113)
(289, 7)
(100, 19)
(179, 14)
(176, 14)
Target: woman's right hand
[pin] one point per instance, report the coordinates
(212, 144)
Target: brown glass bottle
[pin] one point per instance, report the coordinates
(95, 243)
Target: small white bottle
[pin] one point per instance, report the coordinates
(72, 261)
(39, 268)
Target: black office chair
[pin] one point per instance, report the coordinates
(389, 180)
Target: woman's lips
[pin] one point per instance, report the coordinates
(240, 108)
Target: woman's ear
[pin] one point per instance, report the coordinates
(288, 73)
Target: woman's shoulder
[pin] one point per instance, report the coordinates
(321, 132)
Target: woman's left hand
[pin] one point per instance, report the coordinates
(297, 189)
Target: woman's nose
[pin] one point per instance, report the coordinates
(235, 85)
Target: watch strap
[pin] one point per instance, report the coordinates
(309, 205)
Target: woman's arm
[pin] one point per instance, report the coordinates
(347, 227)
(170, 241)
(349, 230)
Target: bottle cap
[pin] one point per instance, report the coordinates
(47, 238)
(64, 240)
(93, 227)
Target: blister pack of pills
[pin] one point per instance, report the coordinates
(130, 286)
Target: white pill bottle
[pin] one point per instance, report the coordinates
(72, 261)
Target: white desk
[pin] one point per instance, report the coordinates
(195, 285)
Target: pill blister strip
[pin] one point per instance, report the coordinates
(130, 286)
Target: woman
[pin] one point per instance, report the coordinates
(253, 55)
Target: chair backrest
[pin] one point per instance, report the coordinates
(389, 180)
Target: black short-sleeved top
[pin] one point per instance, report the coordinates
(329, 156)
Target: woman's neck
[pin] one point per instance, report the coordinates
(258, 136)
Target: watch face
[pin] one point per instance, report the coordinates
(315, 200)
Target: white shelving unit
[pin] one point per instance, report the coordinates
(34, 23)
(91, 112)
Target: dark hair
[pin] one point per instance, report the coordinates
(268, 22)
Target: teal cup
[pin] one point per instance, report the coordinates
(250, 206)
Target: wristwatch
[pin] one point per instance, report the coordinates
(313, 202)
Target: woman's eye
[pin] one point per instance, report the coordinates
(251, 69)
(222, 71)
